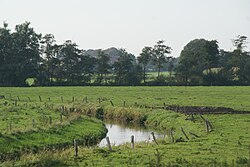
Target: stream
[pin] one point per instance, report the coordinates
(120, 134)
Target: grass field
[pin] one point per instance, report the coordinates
(228, 144)
(233, 97)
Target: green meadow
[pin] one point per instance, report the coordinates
(38, 125)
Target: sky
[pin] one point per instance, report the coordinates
(132, 24)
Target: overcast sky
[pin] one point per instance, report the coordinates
(132, 24)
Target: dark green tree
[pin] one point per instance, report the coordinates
(199, 56)
(144, 59)
(170, 66)
(126, 72)
(49, 52)
(87, 66)
(103, 66)
(6, 55)
(240, 60)
(159, 55)
(25, 59)
(69, 57)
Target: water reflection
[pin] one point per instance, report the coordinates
(120, 134)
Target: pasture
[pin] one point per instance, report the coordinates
(26, 113)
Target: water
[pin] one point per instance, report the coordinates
(120, 134)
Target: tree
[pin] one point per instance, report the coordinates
(240, 42)
(159, 55)
(103, 65)
(144, 59)
(87, 67)
(125, 70)
(198, 55)
(240, 60)
(6, 54)
(69, 57)
(171, 66)
(49, 52)
(26, 59)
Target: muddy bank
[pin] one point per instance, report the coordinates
(199, 109)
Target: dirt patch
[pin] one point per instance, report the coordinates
(200, 109)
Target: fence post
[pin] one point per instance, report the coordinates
(171, 135)
(165, 132)
(184, 133)
(193, 134)
(40, 98)
(112, 103)
(209, 124)
(62, 99)
(76, 147)
(202, 117)
(206, 125)
(192, 117)
(108, 143)
(33, 123)
(132, 142)
(154, 137)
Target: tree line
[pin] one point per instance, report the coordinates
(26, 54)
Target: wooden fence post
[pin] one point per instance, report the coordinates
(193, 134)
(33, 123)
(192, 117)
(184, 133)
(108, 143)
(40, 98)
(73, 99)
(202, 117)
(124, 103)
(154, 137)
(207, 126)
(132, 142)
(62, 99)
(171, 135)
(165, 132)
(76, 147)
(111, 103)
